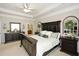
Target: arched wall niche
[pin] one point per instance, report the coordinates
(71, 21)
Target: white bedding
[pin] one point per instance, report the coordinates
(44, 44)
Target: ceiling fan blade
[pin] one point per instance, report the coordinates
(27, 8)
(26, 5)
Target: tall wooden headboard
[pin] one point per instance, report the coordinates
(51, 26)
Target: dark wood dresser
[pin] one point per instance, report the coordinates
(69, 45)
(10, 37)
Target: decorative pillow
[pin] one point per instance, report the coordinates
(45, 36)
(42, 33)
(55, 35)
(39, 34)
(49, 34)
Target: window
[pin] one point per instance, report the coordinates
(15, 27)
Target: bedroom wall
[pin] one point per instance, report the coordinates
(6, 19)
(59, 17)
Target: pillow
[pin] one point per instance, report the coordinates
(49, 34)
(45, 36)
(39, 34)
(42, 33)
(55, 35)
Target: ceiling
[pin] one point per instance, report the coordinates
(38, 9)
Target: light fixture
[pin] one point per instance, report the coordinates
(26, 8)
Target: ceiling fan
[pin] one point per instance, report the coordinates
(27, 8)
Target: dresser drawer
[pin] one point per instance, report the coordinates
(69, 46)
(69, 41)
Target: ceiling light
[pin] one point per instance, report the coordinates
(27, 10)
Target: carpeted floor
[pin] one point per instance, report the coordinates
(14, 49)
(57, 52)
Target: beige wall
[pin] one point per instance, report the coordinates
(24, 21)
(7, 19)
(59, 17)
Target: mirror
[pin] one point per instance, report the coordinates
(15, 27)
(71, 25)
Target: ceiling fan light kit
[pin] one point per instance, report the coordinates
(27, 10)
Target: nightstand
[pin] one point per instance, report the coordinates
(69, 45)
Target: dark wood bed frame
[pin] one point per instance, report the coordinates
(30, 43)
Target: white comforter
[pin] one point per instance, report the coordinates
(44, 44)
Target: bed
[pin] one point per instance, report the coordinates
(39, 45)
(45, 44)
(36, 45)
